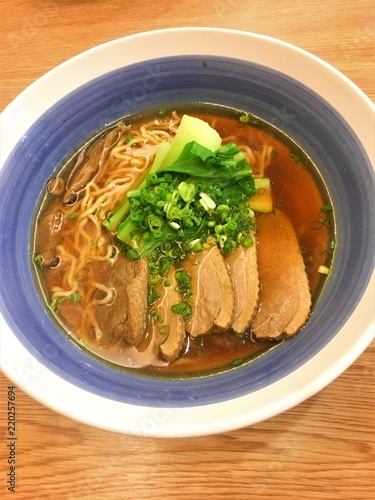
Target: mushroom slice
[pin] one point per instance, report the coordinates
(90, 164)
(49, 228)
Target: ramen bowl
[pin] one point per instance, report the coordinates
(326, 114)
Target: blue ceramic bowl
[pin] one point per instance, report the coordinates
(272, 95)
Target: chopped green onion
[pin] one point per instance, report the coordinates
(153, 280)
(154, 315)
(128, 138)
(153, 268)
(165, 264)
(247, 241)
(207, 202)
(194, 195)
(237, 362)
(186, 191)
(153, 295)
(132, 254)
(134, 193)
(326, 208)
(196, 245)
(55, 302)
(239, 335)
(164, 330)
(75, 297)
(183, 308)
(38, 261)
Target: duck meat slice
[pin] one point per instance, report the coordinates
(283, 279)
(213, 295)
(243, 270)
(125, 317)
(168, 328)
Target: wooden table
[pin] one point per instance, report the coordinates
(324, 448)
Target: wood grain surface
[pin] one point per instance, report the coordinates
(323, 448)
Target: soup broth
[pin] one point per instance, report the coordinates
(79, 262)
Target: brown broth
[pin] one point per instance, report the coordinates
(297, 189)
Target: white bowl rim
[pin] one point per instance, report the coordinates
(52, 391)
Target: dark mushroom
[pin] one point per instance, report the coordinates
(48, 234)
(90, 164)
(56, 186)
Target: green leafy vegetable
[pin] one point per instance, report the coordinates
(128, 138)
(192, 129)
(194, 195)
(38, 261)
(177, 203)
(114, 221)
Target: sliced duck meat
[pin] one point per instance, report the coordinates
(90, 163)
(282, 276)
(213, 295)
(168, 328)
(136, 292)
(124, 318)
(243, 270)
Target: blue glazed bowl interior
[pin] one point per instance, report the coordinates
(274, 97)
